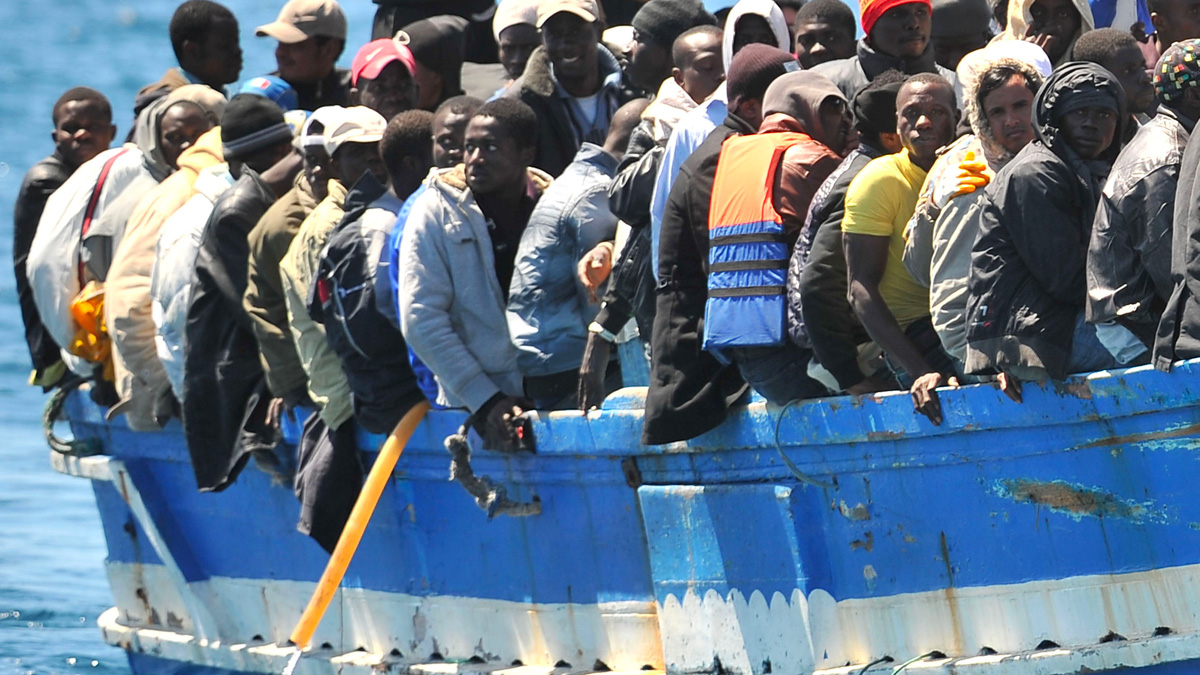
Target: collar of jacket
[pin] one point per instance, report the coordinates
(1185, 122)
(738, 124)
(452, 185)
(781, 122)
(597, 157)
(539, 73)
(873, 63)
(365, 190)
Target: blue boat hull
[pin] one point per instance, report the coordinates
(1060, 535)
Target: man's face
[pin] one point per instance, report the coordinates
(1009, 114)
(316, 168)
(516, 43)
(1178, 20)
(352, 160)
(220, 54)
(429, 88)
(836, 123)
(82, 131)
(926, 116)
(306, 62)
(571, 43)
(1055, 23)
(752, 29)
(181, 125)
(494, 160)
(903, 31)
(392, 92)
(948, 50)
(649, 63)
(1090, 130)
(1129, 65)
(818, 42)
(449, 129)
(701, 70)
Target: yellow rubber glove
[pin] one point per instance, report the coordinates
(973, 174)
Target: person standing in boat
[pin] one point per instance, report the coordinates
(764, 185)
(1129, 255)
(690, 390)
(311, 36)
(456, 266)
(204, 37)
(1028, 287)
(83, 128)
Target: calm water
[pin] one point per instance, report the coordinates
(52, 583)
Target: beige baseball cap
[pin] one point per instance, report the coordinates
(584, 9)
(359, 124)
(300, 20)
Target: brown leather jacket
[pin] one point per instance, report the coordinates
(805, 167)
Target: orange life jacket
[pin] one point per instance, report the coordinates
(747, 250)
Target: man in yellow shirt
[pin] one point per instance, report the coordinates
(892, 306)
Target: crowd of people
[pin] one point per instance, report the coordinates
(700, 204)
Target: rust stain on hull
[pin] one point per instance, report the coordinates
(1076, 501)
(1181, 432)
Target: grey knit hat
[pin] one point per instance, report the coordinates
(661, 21)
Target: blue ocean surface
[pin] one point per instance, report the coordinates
(52, 581)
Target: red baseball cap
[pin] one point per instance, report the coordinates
(374, 56)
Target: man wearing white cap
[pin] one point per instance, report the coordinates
(572, 82)
(515, 27)
(311, 35)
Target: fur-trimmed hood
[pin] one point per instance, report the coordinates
(970, 72)
(538, 77)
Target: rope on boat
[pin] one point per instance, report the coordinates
(492, 498)
(79, 447)
(787, 461)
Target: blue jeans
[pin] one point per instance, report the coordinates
(1087, 352)
(779, 374)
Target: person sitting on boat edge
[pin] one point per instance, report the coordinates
(548, 309)
(819, 311)
(456, 265)
(311, 36)
(1130, 251)
(83, 128)
(373, 354)
(690, 390)
(204, 38)
(824, 32)
(892, 306)
(764, 185)
(999, 84)
(225, 395)
(1028, 287)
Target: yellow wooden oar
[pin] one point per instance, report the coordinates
(352, 533)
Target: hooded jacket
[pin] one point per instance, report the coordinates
(104, 237)
(558, 138)
(943, 228)
(548, 308)
(141, 381)
(852, 74)
(1027, 283)
(264, 301)
(690, 391)
(372, 352)
(451, 303)
(1020, 16)
(767, 9)
(327, 385)
(223, 378)
(1179, 330)
(1129, 256)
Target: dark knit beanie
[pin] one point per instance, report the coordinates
(875, 108)
(754, 68)
(440, 44)
(661, 21)
(251, 123)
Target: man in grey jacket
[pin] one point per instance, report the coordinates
(456, 260)
(1129, 255)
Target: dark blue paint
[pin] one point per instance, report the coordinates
(142, 663)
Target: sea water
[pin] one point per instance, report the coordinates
(52, 582)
